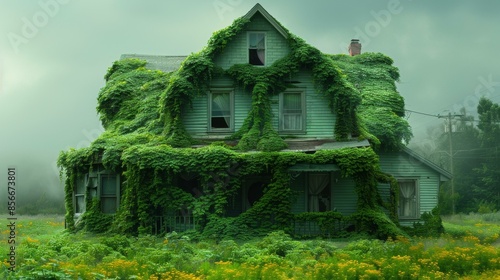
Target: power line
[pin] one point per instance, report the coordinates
(420, 113)
(444, 116)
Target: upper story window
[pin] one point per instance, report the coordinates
(408, 199)
(221, 110)
(292, 112)
(257, 48)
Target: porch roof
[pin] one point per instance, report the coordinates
(316, 145)
(308, 167)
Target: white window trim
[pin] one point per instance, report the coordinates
(417, 198)
(281, 130)
(209, 112)
(265, 47)
(99, 189)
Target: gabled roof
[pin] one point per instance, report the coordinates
(268, 17)
(444, 173)
(165, 63)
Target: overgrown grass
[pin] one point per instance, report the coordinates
(45, 251)
(486, 227)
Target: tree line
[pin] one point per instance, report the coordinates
(473, 148)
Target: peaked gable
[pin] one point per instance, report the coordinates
(274, 41)
(445, 175)
(259, 9)
(332, 77)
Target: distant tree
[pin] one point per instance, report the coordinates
(465, 144)
(488, 187)
(476, 159)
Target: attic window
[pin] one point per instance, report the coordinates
(257, 48)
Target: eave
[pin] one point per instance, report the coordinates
(268, 17)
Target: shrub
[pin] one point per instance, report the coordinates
(376, 224)
(278, 243)
(432, 225)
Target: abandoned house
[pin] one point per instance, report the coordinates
(256, 132)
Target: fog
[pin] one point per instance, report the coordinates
(54, 54)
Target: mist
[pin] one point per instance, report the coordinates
(54, 54)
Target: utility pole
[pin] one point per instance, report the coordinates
(450, 135)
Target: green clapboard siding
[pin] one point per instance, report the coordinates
(242, 105)
(344, 196)
(236, 51)
(402, 165)
(320, 120)
(195, 118)
(297, 186)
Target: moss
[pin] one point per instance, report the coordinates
(381, 111)
(142, 112)
(96, 221)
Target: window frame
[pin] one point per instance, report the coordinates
(230, 91)
(249, 33)
(281, 119)
(76, 195)
(416, 197)
(308, 194)
(116, 195)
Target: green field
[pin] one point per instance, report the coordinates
(469, 250)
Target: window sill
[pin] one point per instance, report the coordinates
(221, 132)
(285, 133)
(408, 218)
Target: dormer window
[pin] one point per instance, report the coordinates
(257, 48)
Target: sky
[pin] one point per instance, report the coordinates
(54, 54)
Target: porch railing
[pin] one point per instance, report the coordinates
(165, 224)
(325, 224)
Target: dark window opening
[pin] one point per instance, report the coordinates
(255, 192)
(255, 59)
(221, 110)
(257, 48)
(219, 122)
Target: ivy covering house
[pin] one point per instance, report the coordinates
(256, 132)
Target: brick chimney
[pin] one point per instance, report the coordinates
(354, 47)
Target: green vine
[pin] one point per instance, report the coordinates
(146, 141)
